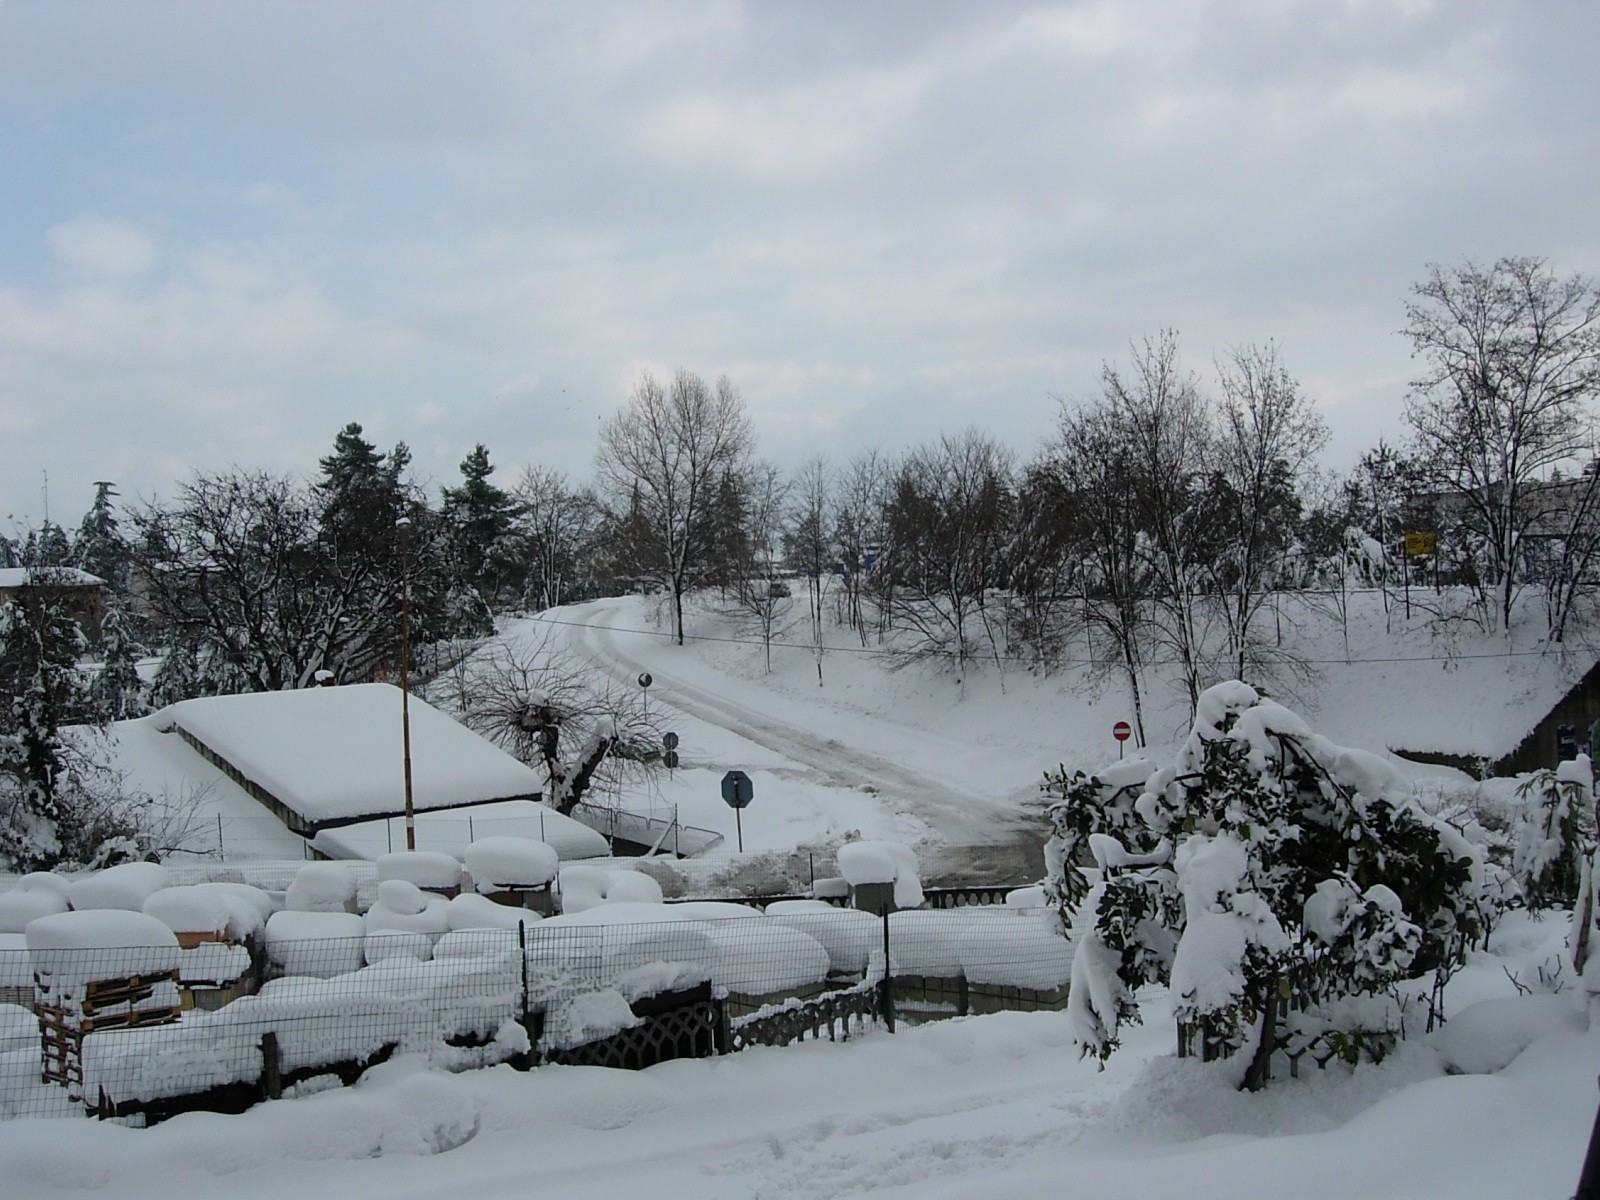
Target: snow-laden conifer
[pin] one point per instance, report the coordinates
(1279, 884)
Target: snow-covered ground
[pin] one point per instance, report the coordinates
(1499, 1104)
(955, 763)
(994, 1106)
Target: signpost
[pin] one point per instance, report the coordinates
(1122, 731)
(737, 792)
(644, 686)
(670, 758)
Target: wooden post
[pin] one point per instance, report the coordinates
(271, 1074)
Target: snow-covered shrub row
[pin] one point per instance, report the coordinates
(410, 1005)
(1272, 878)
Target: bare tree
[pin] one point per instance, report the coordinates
(551, 710)
(661, 466)
(950, 519)
(1268, 434)
(1096, 466)
(244, 566)
(807, 544)
(758, 594)
(1513, 361)
(1161, 412)
(859, 535)
(555, 524)
(1571, 537)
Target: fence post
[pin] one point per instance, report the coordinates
(1589, 1179)
(888, 974)
(522, 953)
(271, 1075)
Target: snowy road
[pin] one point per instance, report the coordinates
(979, 816)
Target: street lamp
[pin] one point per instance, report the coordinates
(404, 526)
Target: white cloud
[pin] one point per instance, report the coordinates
(102, 247)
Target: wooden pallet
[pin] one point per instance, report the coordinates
(101, 994)
(61, 1034)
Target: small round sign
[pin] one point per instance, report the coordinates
(645, 680)
(1122, 731)
(669, 740)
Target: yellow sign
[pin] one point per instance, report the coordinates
(1418, 544)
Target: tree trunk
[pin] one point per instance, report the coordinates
(1260, 1069)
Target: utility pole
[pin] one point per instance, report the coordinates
(404, 526)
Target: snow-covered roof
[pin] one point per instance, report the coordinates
(17, 577)
(333, 754)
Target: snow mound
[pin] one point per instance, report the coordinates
(126, 887)
(19, 906)
(321, 944)
(586, 887)
(191, 910)
(425, 868)
(73, 948)
(883, 862)
(470, 911)
(321, 887)
(405, 907)
(847, 935)
(1024, 951)
(1485, 1037)
(497, 863)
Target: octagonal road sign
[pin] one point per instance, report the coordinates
(737, 791)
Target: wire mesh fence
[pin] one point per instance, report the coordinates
(139, 1033)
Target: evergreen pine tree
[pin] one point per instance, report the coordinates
(99, 547)
(177, 678)
(40, 772)
(117, 689)
(479, 516)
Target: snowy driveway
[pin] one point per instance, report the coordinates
(974, 805)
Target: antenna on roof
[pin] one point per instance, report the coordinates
(46, 491)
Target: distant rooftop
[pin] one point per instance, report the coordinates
(17, 577)
(330, 756)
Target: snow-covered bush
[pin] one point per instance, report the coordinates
(1280, 884)
(1555, 821)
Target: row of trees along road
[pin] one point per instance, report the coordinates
(1154, 526)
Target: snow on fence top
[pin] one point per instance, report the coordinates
(333, 753)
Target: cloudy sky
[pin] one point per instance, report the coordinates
(226, 229)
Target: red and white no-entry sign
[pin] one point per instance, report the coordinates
(1122, 731)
